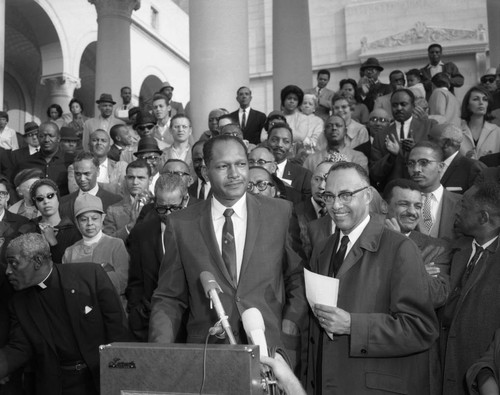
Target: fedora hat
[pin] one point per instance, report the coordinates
(166, 84)
(371, 62)
(68, 133)
(147, 144)
(143, 118)
(491, 72)
(105, 98)
(30, 127)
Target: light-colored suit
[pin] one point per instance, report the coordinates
(117, 217)
(116, 175)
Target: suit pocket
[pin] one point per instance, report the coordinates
(385, 382)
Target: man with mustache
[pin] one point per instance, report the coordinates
(390, 148)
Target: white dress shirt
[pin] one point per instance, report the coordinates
(103, 172)
(354, 235)
(406, 127)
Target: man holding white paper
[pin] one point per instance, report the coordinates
(377, 336)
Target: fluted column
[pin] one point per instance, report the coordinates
(292, 60)
(493, 11)
(61, 89)
(218, 56)
(113, 69)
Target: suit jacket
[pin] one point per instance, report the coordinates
(384, 286)
(324, 101)
(384, 166)
(300, 177)
(461, 174)
(67, 205)
(376, 90)
(254, 124)
(176, 108)
(17, 157)
(117, 216)
(450, 205)
(9, 229)
(114, 153)
(456, 79)
(491, 160)
(83, 286)
(489, 174)
(470, 315)
(146, 253)
(490, 360)
(193, 190)
(271, 276)
(116, 175)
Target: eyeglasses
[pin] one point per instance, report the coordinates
(32, 134)
(411, 164)
(179, 173)
(379, 119)
(169, 208)
(4, 194)
(260, 185)
(344, 197)
(488, 80)
(260, 162)
(49, 196)
(145, 127)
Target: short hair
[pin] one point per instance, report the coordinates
(487, 195)
(407, 91)
(32, 245)
(243, 87)
(199, 142)
(101, 131)
(350, 165)
(72, 101)
(336, 116)
(41, 182)
(466, 114)
(346, 81)
(402, 183)
(4, 114)
(228, 116)
(269, 175)
(178, 116)
(289, 89)
(49, 124)
(281, 125)
(125, 87)
(175, 160)
(86, 155)
(57, 107)
(169, 183)
(441, 80)
(344, 96)
(231, 127)
(209, 145)
(323, 71)
(113, 132)
(139, 164)
(159, 96)
(263, 146)
(435, 45)
(394, 72)
(415, 73)
(5, 181)
(432, 146)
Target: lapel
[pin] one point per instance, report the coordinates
(459, 265)
(451, 168)
(207, 231)
(253, 225)
(447, 209)
(157, 239)
(288, 171)
(485, 132)
(325, 255)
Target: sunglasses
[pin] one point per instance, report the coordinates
(142, 128)
(488, 80)
(49, 196)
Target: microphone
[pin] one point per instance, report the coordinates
(255, 328)
(212, 289)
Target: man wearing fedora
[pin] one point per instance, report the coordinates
(369, 85)
(149, 152)
(175, 107)
(32, 144)
(105, 120)
(69, 140)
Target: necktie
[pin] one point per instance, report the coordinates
(338, 257)
(323, 211)
(228, 244)
(244, 119)
(427, 213)
(402, 131)
(202, 190)
(472, 264)
(319, 92)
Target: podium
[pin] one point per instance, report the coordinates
(160, 369)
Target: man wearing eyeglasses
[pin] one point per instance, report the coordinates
(243, 241)
(180, 128)
(149, 152)
(147, 248)
(374, 340)
(425, 165)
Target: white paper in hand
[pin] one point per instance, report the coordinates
(321, 289)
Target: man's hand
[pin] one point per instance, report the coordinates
(420, 113)
(408, 144)
(392, 223)
(392, 144)
(333, 319)
(432, 270)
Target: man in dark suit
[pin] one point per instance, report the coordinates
(323, 94)
(200, 188)
(32, 145)
(491, 160)
(250, 257)
(425, 165)
(280, 141)
(251, 121)
(86, 170)
(470, 316)
(120, 134)
(375, 340)
(435, 65)
(146, 247)
(460, 172)
(369, 86)
(390, 148)
(60, 315)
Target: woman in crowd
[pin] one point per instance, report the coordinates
(356, 133)
(55, 112)
(480, 136)
(313, 123)
(59, 231)
(76, 108)
(107, 251)
(23, 182)
(360, 112)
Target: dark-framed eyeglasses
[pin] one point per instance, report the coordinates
(169, 208)
(260, 162)
(380, 119)
(179, 173)
(31, 134)
(260, 185)
(411, 164)
(48, 196)
(4, 194)
(344, 197)
(142, 128)
(488, 80)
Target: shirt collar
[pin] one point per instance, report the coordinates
(93, 191)
(407, 123)
(438, 193)
(281, 168)
(356, 232)
(247, 110)
(485, 245)
(430, 66)
(42, 284)
(448, 160)
(104, 164)
(239, 208)
(316, 206)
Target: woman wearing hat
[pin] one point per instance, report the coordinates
(23, 182)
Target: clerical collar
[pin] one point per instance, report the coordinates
(42, 284)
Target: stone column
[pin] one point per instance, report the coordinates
(61, 89)
(2, 51)
(292, 60)
(218, 56)
(493, 11)
(113, 69)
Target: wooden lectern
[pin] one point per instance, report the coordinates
(159, 369)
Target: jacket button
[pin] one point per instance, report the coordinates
(238, 299)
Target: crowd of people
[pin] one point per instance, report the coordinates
(394, 189)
